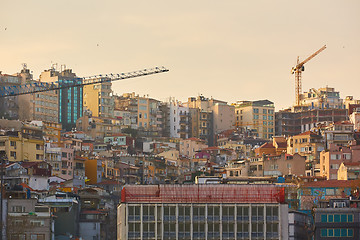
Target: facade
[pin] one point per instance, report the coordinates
(27, 220)
(190, 146)
(202, 212)
(284, 164)
(26, 144)
(98, 98)
(339, 133)
(97, 127)
(331, 159)
(70, 100)
(349, 171)
(224, 118)
(179, 120)
(322, 98)
(256, 115)
(290, 123)
(9, 106)
(44, 106)
(337, 218)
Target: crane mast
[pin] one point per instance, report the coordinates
(36, 87)
(297, 71)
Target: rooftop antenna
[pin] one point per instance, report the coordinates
(24, 65)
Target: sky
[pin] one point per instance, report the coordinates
(230, 50)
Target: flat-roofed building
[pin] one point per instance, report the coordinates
(201, 211)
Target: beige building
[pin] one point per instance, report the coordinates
(224, 118)
(322, 98)
(97, 127)
(349, 171)
(307, 144)
(98, 99)
(189, 147)
(256, 115)
(284, 164)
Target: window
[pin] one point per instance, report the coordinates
(264, 117)
(13, 154)
(13, 143)
(36, 223)
(264, 111)
(18, 209)
(256, 110)
(256, 116)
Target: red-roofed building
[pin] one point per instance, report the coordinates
(202, 211)
(310, 193)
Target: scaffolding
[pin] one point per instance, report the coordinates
(222, 193)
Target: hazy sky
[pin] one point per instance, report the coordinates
(230, 50)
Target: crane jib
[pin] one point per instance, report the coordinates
(35, 87)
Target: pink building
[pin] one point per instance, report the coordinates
(331, 159)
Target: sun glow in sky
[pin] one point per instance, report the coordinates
(230, 50)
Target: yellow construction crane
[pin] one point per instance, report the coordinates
(297, 70)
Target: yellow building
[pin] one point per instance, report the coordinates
(98, 100)
(93, 171)
(22, 146)
(256, 115)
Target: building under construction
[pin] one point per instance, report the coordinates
(219, 211)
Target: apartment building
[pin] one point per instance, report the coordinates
(322, 98)
(180, 123)
(9, 106)
(189, 147)
(331, 159)
(308, 144)
(24, 144)
(98, 98)
(337, 218)
(28, 220)
(256, 115)
(202, 212)
(70, 100)
(208, 117)
(98, 127)
(339, 133)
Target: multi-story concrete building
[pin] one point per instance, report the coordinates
(331, 159)
(208, 117)
(288, 122)
(284, 164)
(24, 144)
(202, 212)
(323, 98)
(70, 100)
(189, 147)
(349, 171)
(28, 220)
(339, 133)
(9, 106)
(337, 218)
(97, 127)
(308, 144)
(98, 98)
(256, 115)
(180, 123)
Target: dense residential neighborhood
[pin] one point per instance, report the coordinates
(87, 163)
